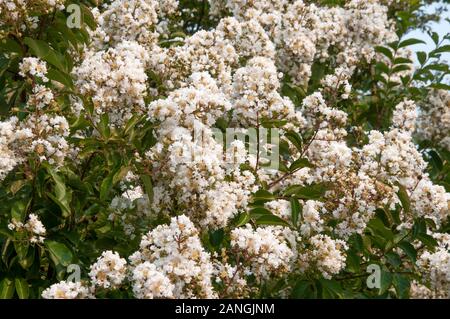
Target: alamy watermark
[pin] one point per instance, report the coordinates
(74, 19)
(374, 279)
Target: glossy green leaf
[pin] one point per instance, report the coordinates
(7, 288)
(59, 253)
(22, 288)
(409, 42)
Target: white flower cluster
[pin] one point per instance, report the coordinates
(436, 269)
(233, 278)
(323, 254)
(116, 80)
(434, 119)
(280, 207)
(430, 201)
(312, 220)
(66, 290)
(302, 32)
(149, 283)
(33, 228)
(25, 13)
(338, 83)
(109, 271)
(9, 135)
(204, 51)
(235, 72)
(405, 116)
(255, 94)
(248, 37)
(264, 249)
(41, 97)
(135, 20)
(43, 133)
(177, 255)
(43, 136)
(189, 166)
(49, 137)
(34, 67)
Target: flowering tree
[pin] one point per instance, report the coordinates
(121, 150)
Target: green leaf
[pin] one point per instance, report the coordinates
(385, 281)
(6, 288)
(59, 253)
(386, 51)
(296, 209)
(409, 250)
(314, 191)
(353, 261)
(106, 186)
(401, 67)
(263, 195)
(404, 198)
(295, 139)
(17, 185)
(22, 288)
(300, 163)
(88, 18)
(148, 186)
(435, 38)
(271, 220)
(303, 289)
(440, 86)
(402, 285)
(103, 127)
(216, 237)
(27, 262)
(271, 123)
(243, 219)
(331, 289)
(442, 67)
(120, 174)
(411, 41)
(378, 228)
(419, 227)
(421, 57)
(60, 77)
(436, 160)
(427, 240)
(401, 60)
(260, 211)
(18, 210)
(394, 259)
(131, 124)
(62, 196)
(442, 49)
(42, 50)
(382, 67)
(21, 249)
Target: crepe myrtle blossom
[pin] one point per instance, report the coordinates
(197, 216)
(109, 271)
(33, 228)
(66, 290)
